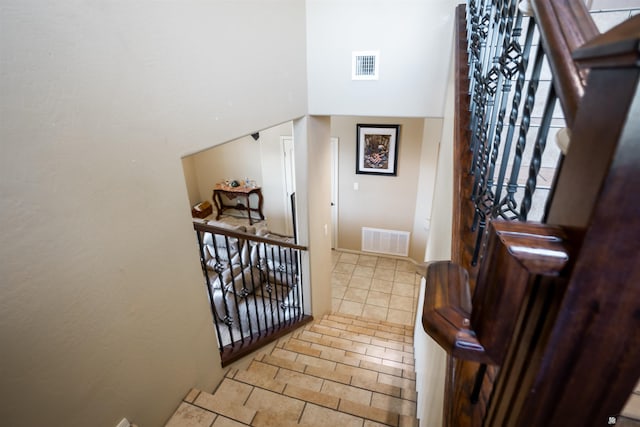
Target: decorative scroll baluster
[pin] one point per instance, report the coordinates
(513, 117)
(478, 88)
(233, 289)
(508, 206)
(484, 126)
(479, 23)
(538, 151)
(248, 267)
(498, 80)
(208, 283)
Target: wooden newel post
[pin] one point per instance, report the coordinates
(575, 356)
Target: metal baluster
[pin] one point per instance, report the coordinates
(509, 205)
(509, 60)
(269, 286)
(476, 86)
(500, 82)
(250, 247)
(214, 313)
(219, 268)
(484, 94)
(244, 292)
(482, 129)
(538, 151)
(275, 286)
(476, 29)
(298, 255)
(264, 270)
(494, 83)
(233, 289)
(513, 117)
(287, 274)
(294, 276)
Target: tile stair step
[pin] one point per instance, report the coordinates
(382, 379)
(200, 412)
(326, 356)
(350, 400)
(380, 331)
(369, 326)
(370, 323)
(275, 378)
(373, 352)
(331, 354)
(337, 370)
(320, 329)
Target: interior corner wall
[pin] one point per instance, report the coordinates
(431, 136)
(312, 141)
(272, 180)
(233, 160)
(431, 359)
(191, 180)
(412, 65)
(104, 309)
(387, 202)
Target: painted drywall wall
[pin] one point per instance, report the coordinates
(431, 359)
(103, 310)
(387, 202)
(275, 202)
(258, 160)
(431, 135)
(312, 136)
(413, 58)
(191, 180)
(234, 160)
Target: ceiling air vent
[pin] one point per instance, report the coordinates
(365, 65)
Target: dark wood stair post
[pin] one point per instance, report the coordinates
(584, 362)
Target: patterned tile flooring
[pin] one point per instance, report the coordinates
(374, 287)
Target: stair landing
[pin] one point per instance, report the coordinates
(338, 371)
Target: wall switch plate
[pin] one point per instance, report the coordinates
(356, 186)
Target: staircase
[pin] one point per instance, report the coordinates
(339, 371)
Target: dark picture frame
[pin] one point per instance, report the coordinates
(377, 149)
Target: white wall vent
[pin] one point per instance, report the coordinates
(364, 65)
(390, 242)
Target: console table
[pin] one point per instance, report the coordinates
(232, 193)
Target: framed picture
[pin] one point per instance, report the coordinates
(377, 149)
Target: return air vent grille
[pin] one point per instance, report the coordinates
(365, 65)
(390, 242)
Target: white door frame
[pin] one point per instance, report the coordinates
(289, 181)
(335, 145)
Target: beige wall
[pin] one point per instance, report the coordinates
(387, 202)
(431, 136)
(431, 359)
(242, 158)
(191, 179)
(233, 160)
(275, 202)
(313, 199)
(103, 312)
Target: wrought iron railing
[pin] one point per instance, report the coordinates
(253, 284)
(509, 128)
(517, 307)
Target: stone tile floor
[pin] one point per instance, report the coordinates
(340, 370)
(375, 287)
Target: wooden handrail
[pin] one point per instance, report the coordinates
(565, 25)
(480, 329)
(208, 228)
(447, 311)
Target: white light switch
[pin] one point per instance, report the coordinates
(355, 186)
